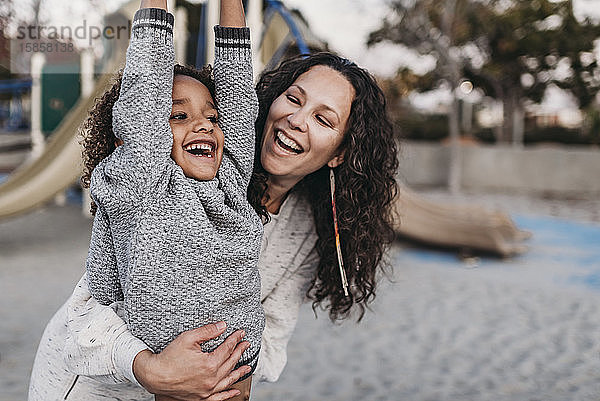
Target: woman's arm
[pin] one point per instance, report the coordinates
(282, 307)
(183, 371)
(98, 343)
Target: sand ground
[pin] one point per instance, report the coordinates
(521, 329)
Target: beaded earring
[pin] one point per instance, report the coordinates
(337, 234)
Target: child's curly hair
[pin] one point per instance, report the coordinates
(98, 139)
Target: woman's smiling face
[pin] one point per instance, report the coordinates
(306, 124)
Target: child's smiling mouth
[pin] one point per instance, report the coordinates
(201, 148)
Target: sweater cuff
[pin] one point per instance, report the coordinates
(154, 19)
(232, 43)
(124, 352)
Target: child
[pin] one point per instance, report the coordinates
(173, 236)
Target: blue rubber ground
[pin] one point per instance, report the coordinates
(562, 251)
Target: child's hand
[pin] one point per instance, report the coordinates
(154, 4)
(232, 13)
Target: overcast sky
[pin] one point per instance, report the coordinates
(344, 24)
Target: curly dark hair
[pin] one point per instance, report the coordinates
(98, 139)
(364, 193)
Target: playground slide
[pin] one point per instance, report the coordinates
(457, 226)
(57, 168)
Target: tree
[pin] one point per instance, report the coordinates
(511, 49)
(430, 28)
(6, 12)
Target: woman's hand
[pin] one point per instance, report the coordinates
(183, 371)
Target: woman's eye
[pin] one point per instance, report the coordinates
(293, 99)
(213, 119)
(323, 121)
(178, 116)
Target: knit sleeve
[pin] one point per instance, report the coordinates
(141, 114)
(236, 97)
(101, 263)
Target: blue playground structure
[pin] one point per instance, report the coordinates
(276, 6)
(12, 117)
(271, 9)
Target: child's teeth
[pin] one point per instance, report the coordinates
(201, 146)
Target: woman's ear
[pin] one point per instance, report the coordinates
(336, 161)
(118, 142)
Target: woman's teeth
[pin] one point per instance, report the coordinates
(288, 143)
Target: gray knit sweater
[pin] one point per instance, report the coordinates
(181, 253)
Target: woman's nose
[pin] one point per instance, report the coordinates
(298, 121)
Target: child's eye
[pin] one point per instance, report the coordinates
(178, 116)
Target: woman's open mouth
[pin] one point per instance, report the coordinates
(201, 148)
(287, 143)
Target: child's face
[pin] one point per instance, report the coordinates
(197, 138)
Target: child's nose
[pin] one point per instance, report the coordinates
(202, 125)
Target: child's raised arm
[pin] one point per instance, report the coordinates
(234, 87)
(154, 4)
(140, 116)
(232, 14)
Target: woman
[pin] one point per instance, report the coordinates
(317, 114)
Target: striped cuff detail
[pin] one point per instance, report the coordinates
(153, 18)
(232, 43)
(230, 37)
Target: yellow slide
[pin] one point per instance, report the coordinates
(57, 168)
